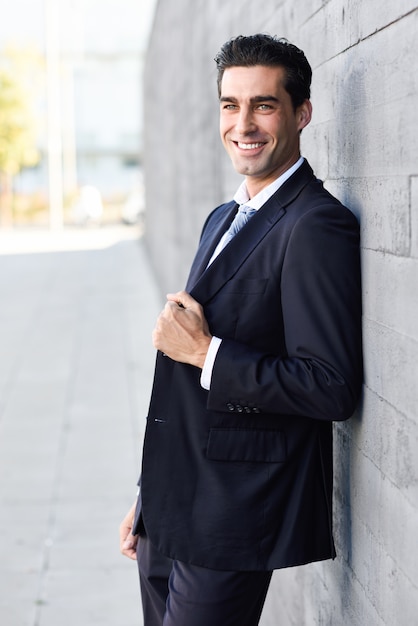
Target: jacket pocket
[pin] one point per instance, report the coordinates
(240, 444)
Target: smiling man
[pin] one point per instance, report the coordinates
(256, 358)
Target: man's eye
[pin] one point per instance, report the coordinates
(264, 107)
(230, 107)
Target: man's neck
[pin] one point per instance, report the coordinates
(256, 185)
(257, 200)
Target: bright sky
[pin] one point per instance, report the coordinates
(103, 24)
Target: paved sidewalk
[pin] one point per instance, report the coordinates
(76, 314)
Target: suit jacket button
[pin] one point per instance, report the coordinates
(239, 408)
(247, 409)
(230, 407)
(256, 410)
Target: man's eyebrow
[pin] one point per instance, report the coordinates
(264, 99)
(254, 100)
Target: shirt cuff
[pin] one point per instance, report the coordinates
(206, 375)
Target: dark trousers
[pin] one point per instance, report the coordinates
(178, 594)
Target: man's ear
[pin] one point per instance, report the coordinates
(304, 114)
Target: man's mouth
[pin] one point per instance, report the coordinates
(249, 146)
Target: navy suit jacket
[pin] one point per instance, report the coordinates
(240, 477)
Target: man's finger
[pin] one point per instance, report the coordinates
(183, 299)
(128, 547)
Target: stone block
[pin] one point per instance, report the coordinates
(389, 297)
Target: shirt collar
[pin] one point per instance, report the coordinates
(242, 197)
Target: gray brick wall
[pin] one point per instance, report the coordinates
(363, 143)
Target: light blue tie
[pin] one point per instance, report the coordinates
(240, 219)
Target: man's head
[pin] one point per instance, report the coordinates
(264, 105)
(260, 49)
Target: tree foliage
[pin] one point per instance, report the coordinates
(17, 118)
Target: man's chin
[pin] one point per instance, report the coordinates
(245, 167)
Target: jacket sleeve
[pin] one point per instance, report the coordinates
(320, 289)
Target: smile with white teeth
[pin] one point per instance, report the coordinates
(249, 146)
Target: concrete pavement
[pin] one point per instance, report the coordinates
(76, 359)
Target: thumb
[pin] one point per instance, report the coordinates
(129, 542)
(183, 299)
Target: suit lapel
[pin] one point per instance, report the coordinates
(216, 225)
(235, 253)
(204, 283)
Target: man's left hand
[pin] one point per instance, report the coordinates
(182, 332)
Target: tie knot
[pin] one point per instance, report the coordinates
(242, 216)
(246, 210)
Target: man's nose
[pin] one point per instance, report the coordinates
(245, 121)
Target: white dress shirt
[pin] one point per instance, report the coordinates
(242, 197)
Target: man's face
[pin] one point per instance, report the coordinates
(258, 125)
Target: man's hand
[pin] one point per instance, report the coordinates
(127, 541)
(182, 332)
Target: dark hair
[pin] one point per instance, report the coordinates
(260, 49)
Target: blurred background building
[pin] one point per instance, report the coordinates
(79, 63)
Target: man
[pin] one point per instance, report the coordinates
(256, 358)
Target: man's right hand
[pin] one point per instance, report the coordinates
(128, 541)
